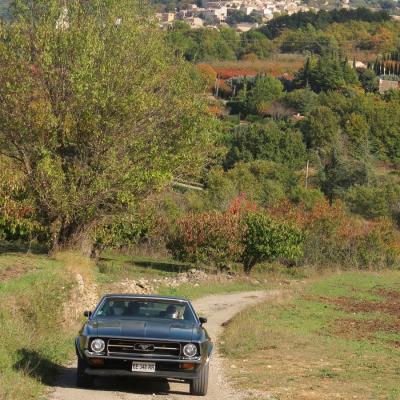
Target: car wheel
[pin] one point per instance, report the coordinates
(83, 380)
(199, 386)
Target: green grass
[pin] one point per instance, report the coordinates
(314, 347)
(113, 268)
(194, 292)
(358, 285)
(32, 339)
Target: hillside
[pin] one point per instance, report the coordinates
(191, 162)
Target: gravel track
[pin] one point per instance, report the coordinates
(218, 309)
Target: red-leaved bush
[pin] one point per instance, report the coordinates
(209, 237)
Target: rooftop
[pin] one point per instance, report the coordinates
(144, 296)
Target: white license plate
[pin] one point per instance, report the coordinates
(143, 367)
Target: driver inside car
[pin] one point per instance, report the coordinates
(171, 312)
(117, 308)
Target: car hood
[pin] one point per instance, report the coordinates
(144, 330)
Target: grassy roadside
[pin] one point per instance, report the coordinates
(337, 338)
(116, 268)
(34, 337)
(33, 290)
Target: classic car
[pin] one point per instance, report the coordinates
(144, 336)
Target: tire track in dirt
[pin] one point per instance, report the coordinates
(218, 309)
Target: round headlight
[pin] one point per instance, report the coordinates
(98, 345)
(190, 350)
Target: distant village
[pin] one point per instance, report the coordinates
(214, 14)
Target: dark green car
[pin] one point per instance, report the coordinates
(144, 336)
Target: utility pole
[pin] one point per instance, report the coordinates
(307, 168)
(216, 86)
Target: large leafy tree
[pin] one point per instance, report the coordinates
(328, 72)
(321, 130)
(266, 142)
(266, 89)
(96, 112)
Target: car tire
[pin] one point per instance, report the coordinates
(83, 380)
(199, 386)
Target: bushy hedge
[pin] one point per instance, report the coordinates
(334, 237)
(267, 239)
(210, 237)
(240, 234)
(319, 234)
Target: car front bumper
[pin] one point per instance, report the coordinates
(105, 372)
(164, 368)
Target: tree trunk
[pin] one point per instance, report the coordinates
(248, 264)
(71, 236)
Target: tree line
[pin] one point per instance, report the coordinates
(101, 122)
(298, 33)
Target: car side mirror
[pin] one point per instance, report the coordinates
(202, 320)
(87, 314)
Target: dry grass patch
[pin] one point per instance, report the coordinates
(76, 263)
(13, 266)
(276, 65)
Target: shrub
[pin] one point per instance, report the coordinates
(301, 100)
(308, 197)
(266, 89)
(370, 202)
(209, 237)
(249, 57)
(208, 74)
(224, 90)
(266, 239)
(336, 238)
(375, 201)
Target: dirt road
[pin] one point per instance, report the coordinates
(218, 309)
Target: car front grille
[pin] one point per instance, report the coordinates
(143, 348)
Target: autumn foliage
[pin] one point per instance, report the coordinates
(227, 73)
(209, 237)
(321, 235)
(241, 234)
(209, 75)
(17, 218)
(336, 237)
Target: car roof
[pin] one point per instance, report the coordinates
(145, 296)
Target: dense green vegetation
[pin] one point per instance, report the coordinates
(337, 338)
(101, 154)
(79, 130)
(351, 30)
(320, 20)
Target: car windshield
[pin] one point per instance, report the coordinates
(139, 309)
